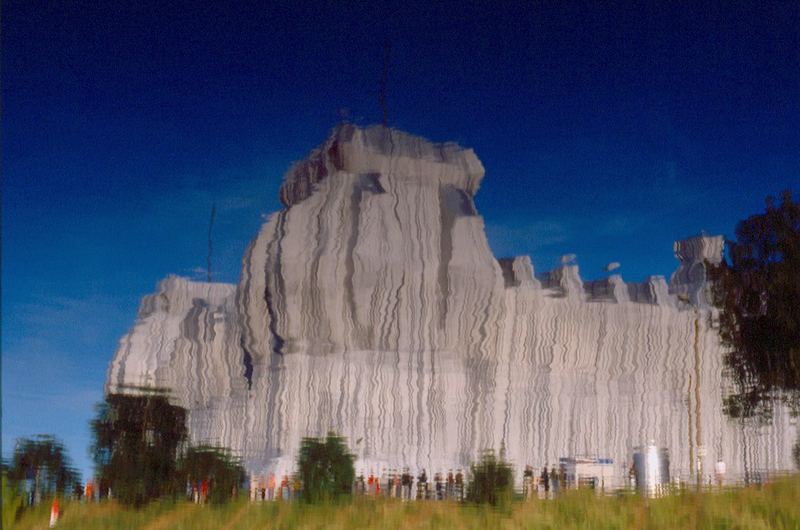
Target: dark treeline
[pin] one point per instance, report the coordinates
(757, 291)
(38, 471)
(141, 453)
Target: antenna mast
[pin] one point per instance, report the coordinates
(210, 246)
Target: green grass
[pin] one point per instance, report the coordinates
(773, 506)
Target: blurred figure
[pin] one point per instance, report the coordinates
(459, 485)
(285, 488)
(437, 479)
(422, 485)
(203, 491)
(544, 478)
(55, 512)
(29, 495)
(527, 483)
(632, 476)
(449, 491)
(719, 472)
(77, 492)
(406, 483)
(361, 488)
(296, 487)
(271, 487)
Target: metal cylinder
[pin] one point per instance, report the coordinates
(651, 469)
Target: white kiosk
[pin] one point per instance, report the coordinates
(588, 472)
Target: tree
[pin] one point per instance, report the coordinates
(492, 481)
(13, 503)
(138, 439)
(43, 461)
(326, 469)
(757, 291)
(223, 472)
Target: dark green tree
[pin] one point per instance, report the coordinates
(492, 480)
(138, 439)
(13, 502)
(326, 469)
(224, 473)
(43, 460)
(757, 291)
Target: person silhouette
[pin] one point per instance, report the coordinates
(545, 479)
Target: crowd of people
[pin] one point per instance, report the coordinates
(543, 485)
(406, 486)
(401, 484)
(267, 488)
(392, 483)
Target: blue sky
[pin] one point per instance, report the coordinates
(605, 132)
